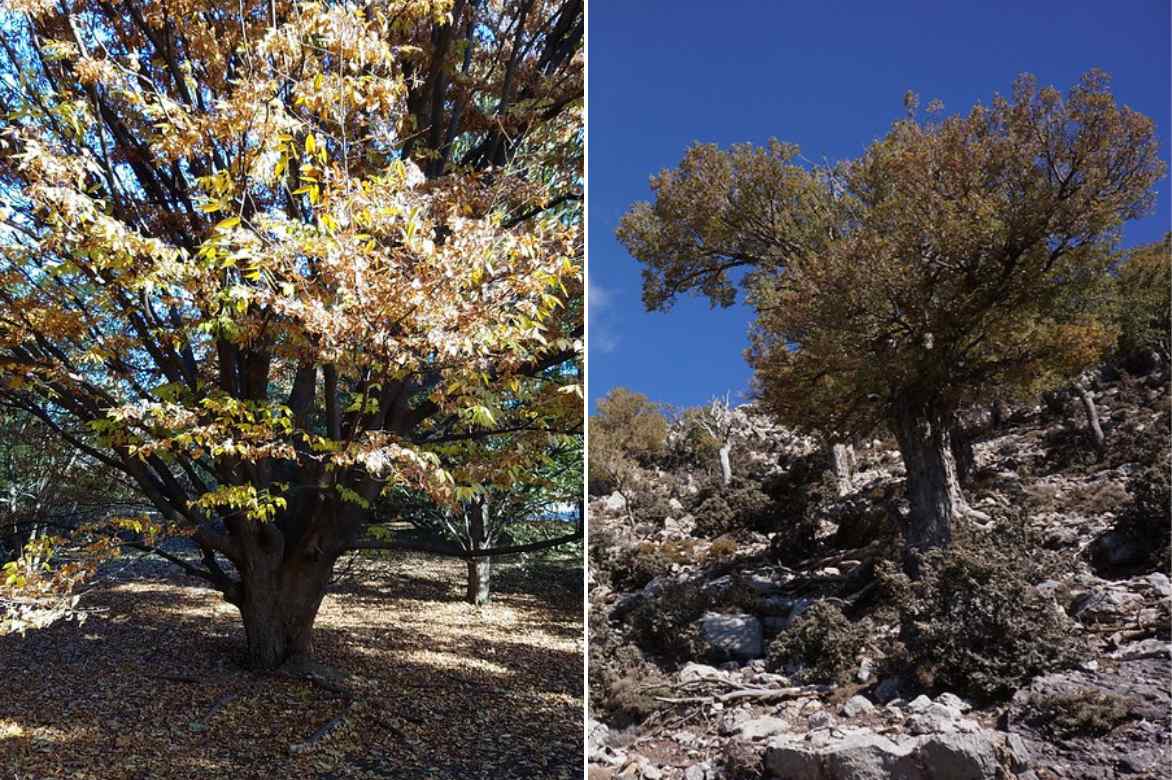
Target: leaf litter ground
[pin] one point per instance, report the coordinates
(151, 686)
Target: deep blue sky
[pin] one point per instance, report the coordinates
(829, 76)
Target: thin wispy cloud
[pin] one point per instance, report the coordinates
(603, 339)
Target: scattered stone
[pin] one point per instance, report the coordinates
(614, 502)
(759, 728)
(730, 722)
(857, 705)
(692, 671)
(597, 735)
(864, 755)
(953, 701)
(732, 637)
(820, 719)
(1160, 584)
(919, 704)
(1105, 605)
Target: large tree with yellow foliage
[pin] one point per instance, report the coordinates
(956, 256)
(272, 254)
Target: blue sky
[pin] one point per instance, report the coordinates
(829, 76)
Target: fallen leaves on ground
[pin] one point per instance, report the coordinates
(152, 685)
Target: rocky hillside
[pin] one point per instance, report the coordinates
(763, 628)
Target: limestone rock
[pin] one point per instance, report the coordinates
(732, 637)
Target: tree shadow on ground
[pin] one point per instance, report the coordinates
(152, 686)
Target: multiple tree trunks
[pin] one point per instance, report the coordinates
(924, 433)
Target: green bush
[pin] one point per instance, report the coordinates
(637, 566)
(822, 642)
(664, 626)
(974, 623)
(1088, 712)
(727, 510)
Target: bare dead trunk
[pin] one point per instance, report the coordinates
(933, 488)
(1092, 412)
(840, 455)
(725, 465)
(479, 581)
(278, 604)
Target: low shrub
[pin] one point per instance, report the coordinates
(1088, 712)
(638, 565)
(974, 624)
(665, 625)
(721, 548)
(736, 507)
(822, 643)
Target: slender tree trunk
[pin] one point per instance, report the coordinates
(1092, 412)
(961, 444)
(479, 569)
(725, 465)
(278, 603)
(997, 414)
(933, 487)
(479, 581)
(840, 456)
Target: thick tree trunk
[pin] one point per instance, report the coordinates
(933, 487)
(840, 456)
(725, 465)
(278, 604)
(479, 581)
(1092, 412)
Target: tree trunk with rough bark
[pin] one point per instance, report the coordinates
(278, 602)
(725, 464)
(924, 434)
(841, 458)
(1093, 425)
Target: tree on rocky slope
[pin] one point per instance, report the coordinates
(955, 256)
(626, 428)
(1145, 318)
(269, 254)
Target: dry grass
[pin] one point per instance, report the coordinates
(152, 686)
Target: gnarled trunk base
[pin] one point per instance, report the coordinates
(933, 486)
(278, 606)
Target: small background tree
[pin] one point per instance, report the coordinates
(626, 429)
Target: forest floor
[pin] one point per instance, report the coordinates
(151, 685)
